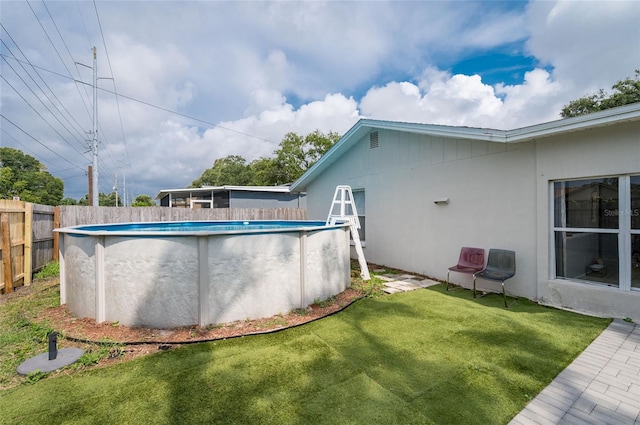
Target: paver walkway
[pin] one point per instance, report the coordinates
(601, 386)
(402, 283)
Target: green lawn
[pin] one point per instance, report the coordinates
(422, 357)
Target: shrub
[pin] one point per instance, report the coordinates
(51, 269)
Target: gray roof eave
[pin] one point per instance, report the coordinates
(597, 119)
(524, 134)
(208, 189)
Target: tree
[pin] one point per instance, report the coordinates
(104, 200)
(293, 157)
(24, 176)
(263, 172)
(143, 201)
(625, 92)
(108, 200)
(68, 201)
(297, 154)
(231, 170)
(84, 202)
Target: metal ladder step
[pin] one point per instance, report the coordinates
(343, 198)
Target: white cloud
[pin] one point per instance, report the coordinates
(537, 100)
(590, 45)
(262, 69)
(440, 98)
(155, 74)
(178, 153)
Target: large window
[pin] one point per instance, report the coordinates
(635, 231)
(596, 230)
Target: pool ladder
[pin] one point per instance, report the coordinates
(343, 197)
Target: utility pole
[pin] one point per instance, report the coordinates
(123, 168)
(94, 198)
(124, 185)
(115, 188)
(94, 146)
(90, 174)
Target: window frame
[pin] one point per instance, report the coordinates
(208, 202)
(624, 232)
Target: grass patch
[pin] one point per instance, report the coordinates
(324, 303)
(51, 269)
(94, 354)
(372, 287)
(421, 357)
(274, 321)
(20, 338)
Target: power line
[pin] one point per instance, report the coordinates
(106, 51)
(41, 101)
(36, 83)
(56, 50)
(39, 142)
(51, 171)
(73, 176)
(19, 142)
(193, 118)
(40, 115)
(209, 123)
(49, 38)
(35, 155)
(54, 173)
(83, 25)
(76, 64)
(69, 52)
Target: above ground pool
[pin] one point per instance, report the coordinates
(171, 274)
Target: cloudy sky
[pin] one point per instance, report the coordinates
(201, 80)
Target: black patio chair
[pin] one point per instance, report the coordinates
(501, 266)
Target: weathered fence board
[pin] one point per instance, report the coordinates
(42, 243)
(75, 215)
(15, 244)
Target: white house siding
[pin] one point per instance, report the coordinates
(609, 151)
(492, 201)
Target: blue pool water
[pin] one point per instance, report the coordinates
(201, 226)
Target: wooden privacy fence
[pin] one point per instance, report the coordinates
(75, 216)
(28, 241)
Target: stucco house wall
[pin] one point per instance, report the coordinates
(500, 195)
(491, 200)
(609, 151)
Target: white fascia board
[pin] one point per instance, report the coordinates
(275, 189)
(566, 125)
(472, 133)
(193, 189)
(165, 192)
(582, 122)
(209, 189)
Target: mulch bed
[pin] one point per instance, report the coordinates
(131, 342)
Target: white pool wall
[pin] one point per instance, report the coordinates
(167, 282)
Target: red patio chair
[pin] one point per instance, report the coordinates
(471, 261)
